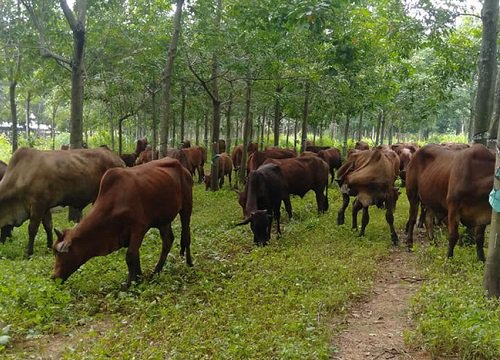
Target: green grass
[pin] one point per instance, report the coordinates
(238, 301)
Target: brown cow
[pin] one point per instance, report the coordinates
(145, 156)
(455, 146)
(405, 156)
(303, 174)
(361, 145)
(129, 159)
(261, 199)
(179, 155)
(130, 202)
(225, 168)
(316, 149)
(196, 157)
(308, 153)
(237, 154)
(452, 185)
(332, 158)
(258, 157)
(6, 230)
(37, 181)
(369, 175)
(185, 144)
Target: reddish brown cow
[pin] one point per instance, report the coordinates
(452, 185)
(332, 158)
(185, 144)
(258, 157)
(361, 145)
(6, 230)
(225, 168)
(303, 174)
(129, 159)
(60, 178)
(130, 202)
(369, 175)
(196, 157)
(237, 154)
(145, 156)
(455, 146)
(179, 155)
(308, 153)
(316, 149)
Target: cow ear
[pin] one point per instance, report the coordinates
(59, 234)
(245, 221)
(62, 247)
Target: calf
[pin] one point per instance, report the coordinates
(261, 200)
(130, 202)
(332, 157)
(303, 174)
(225, 168)
(59, 178)
(369, 175)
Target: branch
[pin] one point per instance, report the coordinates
(68, 14)
(468, 14)
(202, 82)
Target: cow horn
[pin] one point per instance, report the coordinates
(62, 247)
(245, 221)
(59, 234)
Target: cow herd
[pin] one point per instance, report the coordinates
(449, 183)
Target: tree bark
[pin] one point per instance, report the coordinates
(277, 113)
(496, 110)
(167, 79)
(379, 123)
(382, 129)
(155, 124)
(346, 134)
(28, 110)
(246, 132)
(262, 125)
(228, 121)
(295, 126)
(183, 113)
(360, 125)
(305, 115)
(487, 72)
(13, 113)
(197, 131)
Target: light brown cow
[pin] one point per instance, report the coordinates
(130, 202)
(196, 158)
(332, 158)
(37, 181)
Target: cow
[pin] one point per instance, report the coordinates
(222, 146)
(225, 168)
(258, 157)
(237, 154)
(332, 157)
(369, 175)
(308, 153)
(6, 231)
(261, 201)
(361, 145)
(185, 144)
(400, 146)
(453, 185)
(196, 157)
(316, 149)
(179, 155)
(146, 156)
(130, 202)
(129, 159)
(303, 174)
(405, 156)
(37, 181)
(455, 146)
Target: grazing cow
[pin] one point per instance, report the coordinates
(225, 168)
(60, 178)
(332, 157)
(237, 154)
(369, 175)
(196, 157)
(361, 145)
(452, 185)
(303, 174)
(140, 146)
(130, 202)
(261, 200)
(258, 157)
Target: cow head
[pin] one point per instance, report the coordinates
(260, 223)
(68, 260)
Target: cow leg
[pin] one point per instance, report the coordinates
(133, 259)
(429, 226)
(277, 215)
(320, 201)
(201, 173)
(364, 221)
(423, 215)
(167, 239)
(452, 229)
(480, 242)
(229, 175)
(221, 182)
(186, 235)
(288, 206)
(35, 219)
(389, 217)
(47, 226)
(412, 219)
(341, 214)
(5, 233)
(332, 173)
(356, 206)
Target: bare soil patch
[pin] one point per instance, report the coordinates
(374, 327)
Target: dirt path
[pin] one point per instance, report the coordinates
(375, 327)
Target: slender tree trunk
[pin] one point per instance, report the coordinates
(382, 129)
(295, 129)
(496, 110)
(268, 130)
(360, 125)
(167, 75)
(305, 114)
(287, 134)
(228, 121)
(277, 113)
(55, 107)
(173, 130)
(246, 132)
(237, 132)
(155, 124)
(262, 125)
(183, 113)
(346, 134)
(379, 123)
(28, 111)
(197, 131)
(487, 72)
(77, 77)
(13, 113)
(205, 133)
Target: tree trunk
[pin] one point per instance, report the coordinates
(205, 133)
(246, 132)
(487, 72)
(173, 130)
(228, 121)
(346, 134)
(55, 107)
(197, 131)
(13, 113)
(77, 77)
(382, 129)
(295, 129)
(496, 110)
(287, 134)
(262, 125)
(360, 125)
(268, 130)
(277, 113)
(183, 113)
(236, 132)
(167, 75)
(155, 124)
(28, 110)
(305, 114)
(379, 123)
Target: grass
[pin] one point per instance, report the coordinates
(238, 301)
